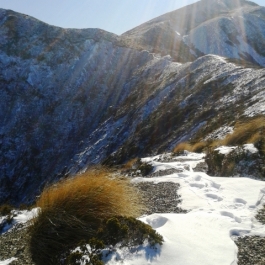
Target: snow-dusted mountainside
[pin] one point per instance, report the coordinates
(175, 102)
(233, 29)
(72, 98)
(56, 86)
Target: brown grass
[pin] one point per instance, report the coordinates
(182, 146)
(73, 209)
(197, 147)
(247, 131)
(251, 130)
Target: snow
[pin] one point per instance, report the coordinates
(219, 209)
(220, 133)
(189, 237)
(7, 261)
(225, 150)
(24, 216)
(19, 217)
(189, 160)
(250, 148)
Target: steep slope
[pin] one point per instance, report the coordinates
(233, 29)
(73, 98)
(174, 102)
(56, 86)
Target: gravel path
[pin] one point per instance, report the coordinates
(161, 197)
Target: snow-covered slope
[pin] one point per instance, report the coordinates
(220, 209)
(233, 29)
(239, 34)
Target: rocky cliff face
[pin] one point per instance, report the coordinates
(72, 98)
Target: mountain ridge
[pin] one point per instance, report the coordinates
(179, 32)
(74, 98)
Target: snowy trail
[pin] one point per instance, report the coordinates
(219, 208)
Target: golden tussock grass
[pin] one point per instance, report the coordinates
(251, 130)
(73, 209)
(248, 131)
(197, 147)
(182, 146)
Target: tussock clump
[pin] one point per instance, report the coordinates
(196, 147)
(182, 147)
(249, 131)
(73, 210)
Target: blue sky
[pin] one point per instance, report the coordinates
(116, 16)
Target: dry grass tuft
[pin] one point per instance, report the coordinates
(182, 147)
(250, 130)
(197, 147)
(246, 131)
(73, 210)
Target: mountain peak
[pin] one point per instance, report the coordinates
(230, 3)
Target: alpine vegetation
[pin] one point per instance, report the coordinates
(74, 209)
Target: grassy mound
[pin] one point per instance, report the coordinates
(74, 209)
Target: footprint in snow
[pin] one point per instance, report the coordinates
(240, 201)
(215, 185)
(197, 185)
(156, 220)
(214, 197)
(197, 178)
(231, 215)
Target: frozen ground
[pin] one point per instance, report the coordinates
(19, 217)
(219, 209)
